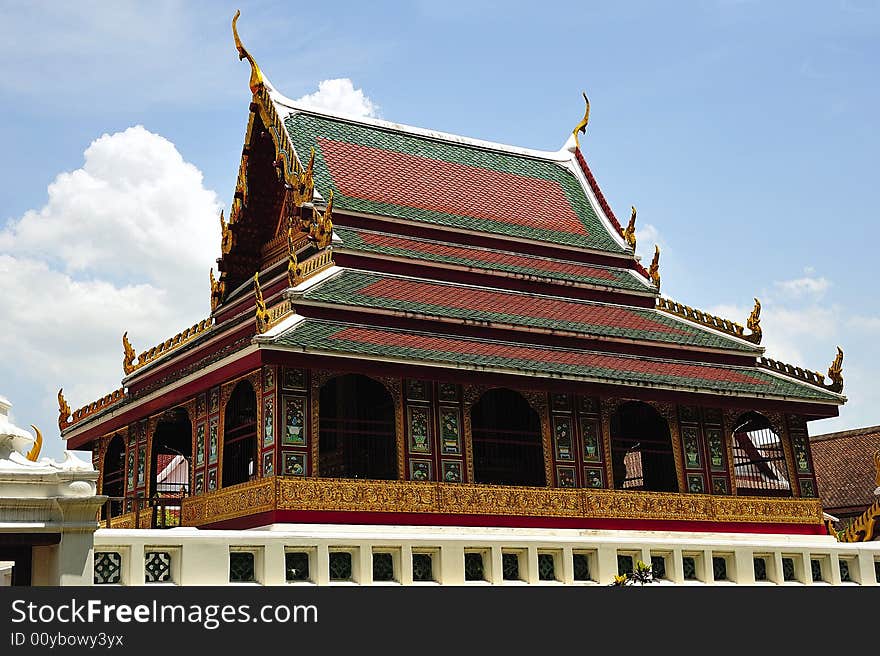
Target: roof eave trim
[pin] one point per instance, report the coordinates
(518, 372)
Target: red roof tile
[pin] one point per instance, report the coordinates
(845, 468)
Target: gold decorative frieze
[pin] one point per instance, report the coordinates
(806, 375)
(181, 338)
(698, 316)
(331, 494)
(95, 406)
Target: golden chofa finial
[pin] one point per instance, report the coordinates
(257, 81)
(34, 453)
(835, 372)
(217, 289)
(294, 270)
(227, 239)
(654, 269)
(753, 323)
(582, 126)
(63, 410)
(262, 312)
(129, 355)
(630, 233)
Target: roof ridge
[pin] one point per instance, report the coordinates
(560, 156)
(851, 432)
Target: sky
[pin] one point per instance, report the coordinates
(745, 131)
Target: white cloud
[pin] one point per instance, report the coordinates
(806, 286)
(123, 243)
(340, 97)
(647, 236)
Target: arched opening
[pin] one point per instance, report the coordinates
(758, 458)
(506, 436)
(357, 437)
(641, 449)
(240, 435)
(172, 455)
(113, 475)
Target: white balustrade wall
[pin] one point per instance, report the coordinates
(188, 556)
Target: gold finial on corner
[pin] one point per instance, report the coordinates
(63, 410)
(34, 453)
(261, 310)
(753, 323)
(217, 289)
(835, 372)
(630, 233)
(654, 269)
(321, 230)
(227, 238)
(129, 354)
(257, 81)
(582, 126)
(294, 270)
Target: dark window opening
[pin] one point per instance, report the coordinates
(240, 435)
(759, 458)
(506, 433)
(357, 437)
(114, 476)
(641, 449)
(172, 455)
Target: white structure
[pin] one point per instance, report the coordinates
(322, 554)
(48, 512)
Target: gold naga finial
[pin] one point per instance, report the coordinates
(63, 410)
(654, 269)
(217, 289)
(294, 270)
(34, 453)
(261, 309)
(753, 323)
(128, 358)
(630, 233)
(257, 81)
(226, 237)
(835, 372)
(321, 230)
(304, 185)
(582, 126)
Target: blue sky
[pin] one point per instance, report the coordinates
(745, 132)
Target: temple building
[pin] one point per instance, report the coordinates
(414, 328)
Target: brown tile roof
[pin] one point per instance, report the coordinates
(845, 468)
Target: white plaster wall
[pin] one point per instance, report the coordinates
(201, 557)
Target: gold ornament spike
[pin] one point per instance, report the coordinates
(323, 228)
(582, 126)
(654, 269)
(835, 372)
(630, 233)
(217, 289)
(262, 311)
(877, 475)
(304, 189)
(226, 237)
(63, 410)
(257, 81)
(128, 358)
(753, 323)
(34, 453)
(294, 270)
